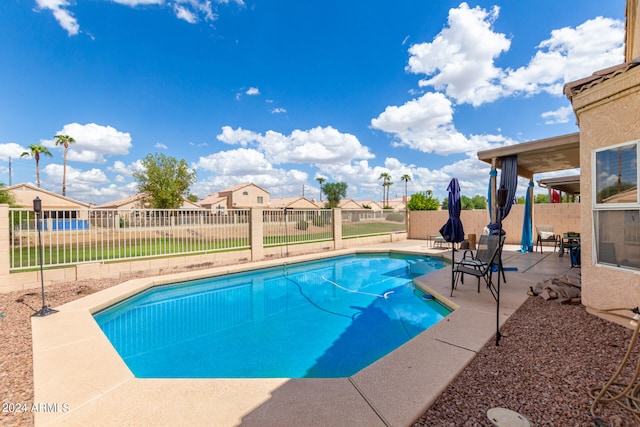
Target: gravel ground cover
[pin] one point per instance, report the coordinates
(549, 357)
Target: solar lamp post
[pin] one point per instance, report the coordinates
(37, 208)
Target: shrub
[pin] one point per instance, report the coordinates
(302, 224)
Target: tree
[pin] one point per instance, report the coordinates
(423, 201)
(35, 151)
(6, 198)
(406, 178)
(386, 183)
(541, 198)
(479, 202)
(165, 180)
(466, 203)
(64, 140)
(334, 191)
(321, 180)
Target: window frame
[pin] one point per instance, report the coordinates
(594, 189)
(597, 208)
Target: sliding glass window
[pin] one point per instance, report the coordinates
(617, 209)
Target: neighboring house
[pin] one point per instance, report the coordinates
(349, 204)
(397, 204)
(137, 202)
(134, 211)
(241, 196)
(370, 204)
(320, 204)
(55, 205)
(214, 202)
(292, 203)
(606, 105)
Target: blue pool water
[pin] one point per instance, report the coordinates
(323, 319)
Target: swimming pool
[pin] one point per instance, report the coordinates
(321, 319)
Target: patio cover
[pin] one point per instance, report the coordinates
(543, 155)
(566, 184)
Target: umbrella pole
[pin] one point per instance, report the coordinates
(453, 261)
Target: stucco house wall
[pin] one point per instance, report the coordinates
(608, 114)
(246, 196)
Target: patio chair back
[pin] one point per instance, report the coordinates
(482, 265)
(546, 234)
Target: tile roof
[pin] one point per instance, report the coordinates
(573, 88)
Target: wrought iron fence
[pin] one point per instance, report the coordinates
(291, 226)
(97, 235)
(367, 222)
(77, 236)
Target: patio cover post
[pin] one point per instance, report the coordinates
(492, 180)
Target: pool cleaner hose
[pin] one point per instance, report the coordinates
(625, 395)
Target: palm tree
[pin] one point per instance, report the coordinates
(386, 182)
(406, 178)
(64, 140)
(388, 185)
(321, 180)
(35, 151)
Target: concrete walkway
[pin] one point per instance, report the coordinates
(76, 366)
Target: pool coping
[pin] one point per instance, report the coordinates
(81, 380)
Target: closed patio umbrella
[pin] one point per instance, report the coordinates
(452, 231)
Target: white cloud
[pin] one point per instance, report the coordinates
(11, 149)
(561, 115)
(80, 184)
(241, 161)
(278, 111)
(185, 14)
(252, 91)
(238, 136)
(458, 62)
(161, 145)
(424, 124)
(570, 53)
(134, 3)
(93, 142)
(121, 168)
(246, 165)
(59, 9)
(318, 145)
(464, 69)
(191, 11)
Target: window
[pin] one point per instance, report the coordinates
(617, 175)
(260, 200)
(616, 212)
(245, 193)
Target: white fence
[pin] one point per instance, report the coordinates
(72, 237)
(367, 222)
(97, 235)
(288, 226)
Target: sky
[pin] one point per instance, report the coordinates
(280, 92)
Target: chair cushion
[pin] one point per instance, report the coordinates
(547, 235)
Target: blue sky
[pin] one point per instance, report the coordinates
(282, 92)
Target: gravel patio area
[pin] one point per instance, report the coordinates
(549, 357)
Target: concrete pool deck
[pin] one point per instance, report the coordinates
(80, 379)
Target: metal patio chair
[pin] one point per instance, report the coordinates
(480, 264)
(546, 234)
